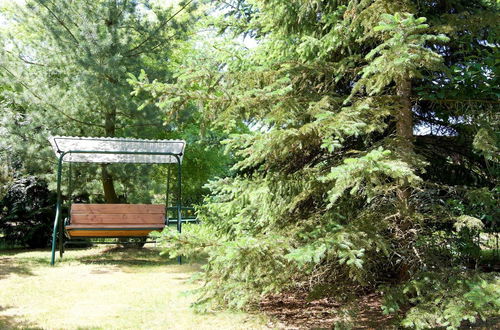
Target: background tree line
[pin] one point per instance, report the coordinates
(64, 71)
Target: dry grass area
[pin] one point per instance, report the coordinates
(104, 288)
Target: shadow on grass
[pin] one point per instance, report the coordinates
(9, 266)
(10, 322)
(133, 257)
(15, 251)
(23, 261)
(119, 256)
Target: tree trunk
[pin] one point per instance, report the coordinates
(108, 185)
(405, 150)
(110, 195)
(404, 132)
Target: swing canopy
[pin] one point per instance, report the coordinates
(117, 150)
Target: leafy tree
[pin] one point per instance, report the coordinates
(370, 118)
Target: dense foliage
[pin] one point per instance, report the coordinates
(27, 213)
(372, 159)
(447, 299)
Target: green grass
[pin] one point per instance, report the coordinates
(104, 288)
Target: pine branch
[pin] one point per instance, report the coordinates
(457, 100)
(24, 60)
(141, 125)
(29, 62)
(49, 104)
(449, 143)
(131, 53)
(60, 21)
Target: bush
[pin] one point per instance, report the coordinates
(27, 213)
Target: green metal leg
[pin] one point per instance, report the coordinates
(179, 187)
(61, 241)
(57, 220)
(54, 237)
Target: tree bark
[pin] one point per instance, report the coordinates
(405, 150)
(108, 184)
(110, 195)
(404, 133)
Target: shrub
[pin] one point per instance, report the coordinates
(27, 213)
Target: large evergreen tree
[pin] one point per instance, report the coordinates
(372, 158)
(67, 64)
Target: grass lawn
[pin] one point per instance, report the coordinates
(104, 288)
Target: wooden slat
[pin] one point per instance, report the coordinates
(117, 209)
(117, 219)
(114, 226)
(109, 233)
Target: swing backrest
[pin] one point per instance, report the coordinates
(115, 220)
(117, 214)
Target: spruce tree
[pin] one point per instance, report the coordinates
(372, 160)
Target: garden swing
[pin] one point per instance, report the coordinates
(114, 220)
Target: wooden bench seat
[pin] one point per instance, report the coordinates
(115, 220)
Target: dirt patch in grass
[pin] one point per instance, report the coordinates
(295, 311)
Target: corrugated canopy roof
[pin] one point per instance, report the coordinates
(117, 150)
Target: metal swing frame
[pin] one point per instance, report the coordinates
(58, 234)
